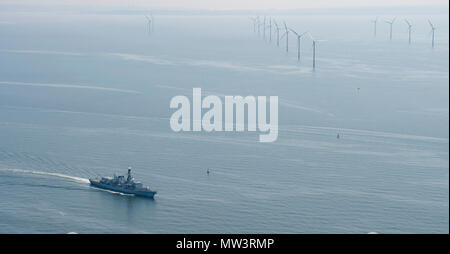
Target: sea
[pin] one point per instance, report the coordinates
(86, 94)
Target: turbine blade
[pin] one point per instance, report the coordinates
(294, 31)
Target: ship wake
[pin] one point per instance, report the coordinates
(113, 192)
(22, 171)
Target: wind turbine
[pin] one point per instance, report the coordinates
(149, 24)
(433, 28)
(314, 50)
(390, 24)
(259, 25)
(153, 22)
(270, 29)
(409, 30)
(286, 33)
(254, 23)
(375, 27)
(278, 33)
(299, 37)
(264, 28)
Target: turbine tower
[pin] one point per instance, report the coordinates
(278, 33)
(433, 28)
(375, 27)
(149, 24)
(314, 50)
(299, 37)
(259, 25)
(153, 22)
(286, 33)
(264, 28)
(270, 29)
(254, 23)
(409, 30)
(390, 25)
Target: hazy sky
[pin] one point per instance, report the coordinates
(241, 4)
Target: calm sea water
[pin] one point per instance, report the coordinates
(88, 95)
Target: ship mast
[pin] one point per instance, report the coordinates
(129, 174)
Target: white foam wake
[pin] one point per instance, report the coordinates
(55, 85)
(113, 192)
(40, 52)
(22, 171)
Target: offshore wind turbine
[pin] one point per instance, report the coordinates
(409, 30)
(254, 24)
(286, 33)
(264, 28)
(153, 22)
(270, 29)
(314, 50)
(375, 27)
(390, 25)
(259, 25)
(278, 33)
(149, 24)
(299, 37)
(433, 28)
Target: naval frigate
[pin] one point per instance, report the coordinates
(122, 185)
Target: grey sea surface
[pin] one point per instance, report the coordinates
(85, 95)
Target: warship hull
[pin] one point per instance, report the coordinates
(98, 184)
